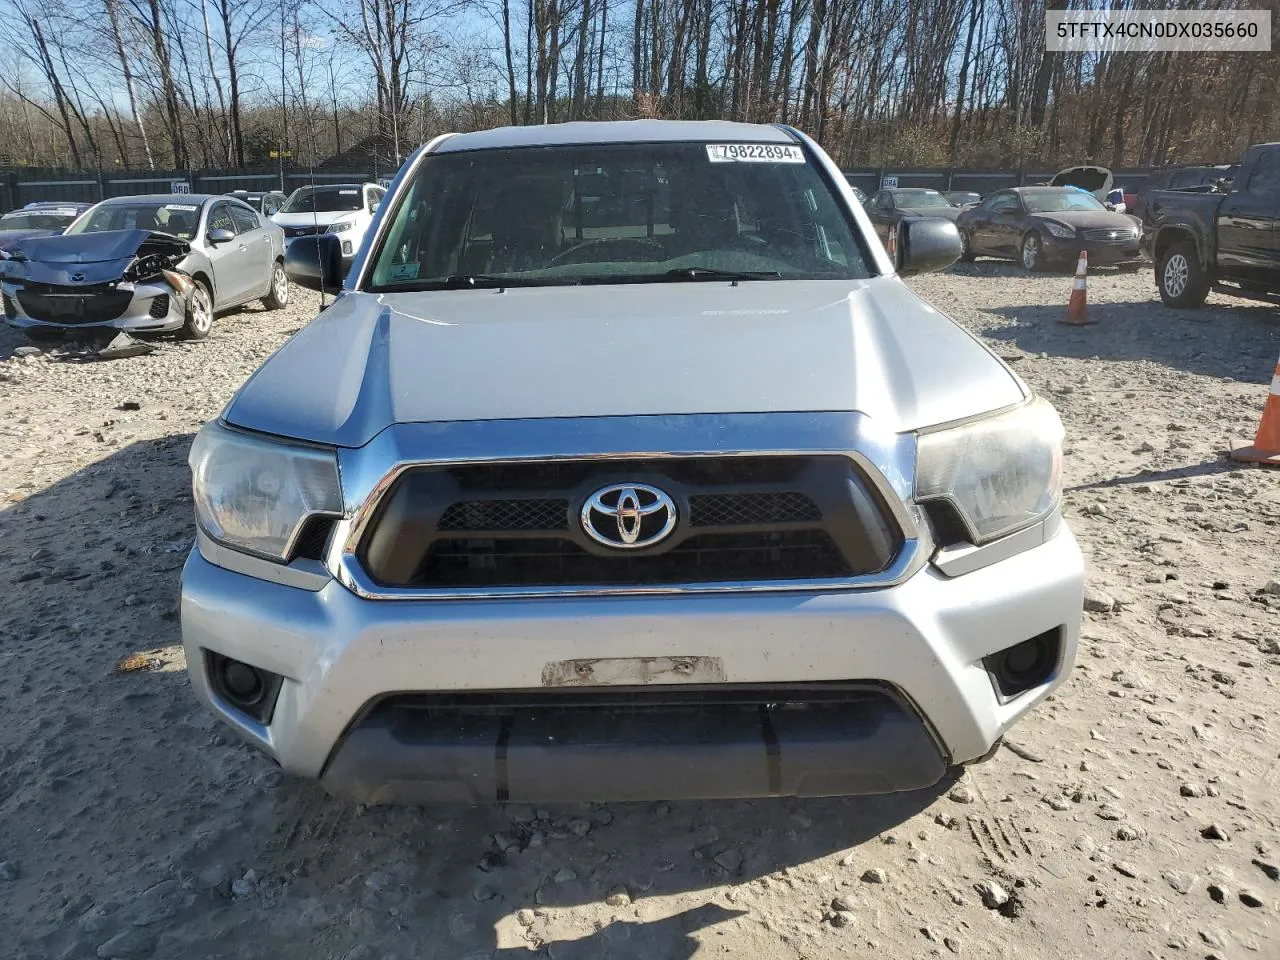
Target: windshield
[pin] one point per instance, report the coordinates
(324, 200)
(920, 198)
(630, 213)
(43, 220)
(179, 219)
(1060, 201)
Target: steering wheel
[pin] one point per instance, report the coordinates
(644, 247)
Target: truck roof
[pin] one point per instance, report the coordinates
(614, 131)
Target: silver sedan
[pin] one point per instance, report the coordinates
(146, 264)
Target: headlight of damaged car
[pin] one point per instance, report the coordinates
(1001, 474)
(1058, 230)
(254, 494)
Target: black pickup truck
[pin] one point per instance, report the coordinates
(1227, 241)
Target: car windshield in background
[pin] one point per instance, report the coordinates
(1060, 201)
(633, 213)
(324, 200)
(35, 221)
(920, 198)
(179, 219)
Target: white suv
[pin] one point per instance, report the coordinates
(626, 467)
(344, 209)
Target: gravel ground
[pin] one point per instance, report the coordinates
(1132, 815)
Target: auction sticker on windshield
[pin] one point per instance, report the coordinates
(183, 207)
(754, 153)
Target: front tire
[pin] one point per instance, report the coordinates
(966, 252)
(199, 318)
(277, 297)
(1180, 277)
(1032, 253)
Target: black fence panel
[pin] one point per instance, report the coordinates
(26, 186)
(30, 186)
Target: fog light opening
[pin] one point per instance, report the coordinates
(244, 683)
(243, 687)
(1025, 665)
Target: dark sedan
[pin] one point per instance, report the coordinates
(1041, 227)
(887, 208)
(37, 220)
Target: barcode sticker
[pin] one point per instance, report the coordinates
(754, 153)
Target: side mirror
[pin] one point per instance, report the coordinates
(927, 244)
(220, 235)
(316, 262)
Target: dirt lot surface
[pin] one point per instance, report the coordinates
(1133, 815)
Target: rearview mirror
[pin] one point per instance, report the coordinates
(221, 235)
(316, 262)
(927, 244)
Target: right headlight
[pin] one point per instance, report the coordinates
(253, 494)
(341, 226)
(1000, 474)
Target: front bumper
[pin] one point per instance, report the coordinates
(917, 648)
(155, 308)
(1101, 253)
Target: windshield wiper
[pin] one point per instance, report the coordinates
(710, 273)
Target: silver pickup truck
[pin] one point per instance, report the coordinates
(625, 467)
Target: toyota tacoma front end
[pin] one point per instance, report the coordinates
(640, 477)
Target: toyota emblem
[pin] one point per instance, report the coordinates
(628, 516)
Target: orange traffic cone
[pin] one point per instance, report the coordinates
(1078, 305)
(1266, 445)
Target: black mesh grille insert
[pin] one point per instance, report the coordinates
(791, 555)
(159, 307)
(506, 515)
(733, 509)
(313, 538)
(9, 309)
(736, 519)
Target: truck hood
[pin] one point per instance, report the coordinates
(683, 348)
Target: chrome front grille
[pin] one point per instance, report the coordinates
(1108, 235)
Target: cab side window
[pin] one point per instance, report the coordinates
(220, 219)
(244, 219)
(1003, 203)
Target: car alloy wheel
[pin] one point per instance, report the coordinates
(280, 285)
(1031, 252)
(201, 310)
(1176, 273)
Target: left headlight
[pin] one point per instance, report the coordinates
(1001, 474)
(1058, 230)
(342, 226)
(253, 494)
